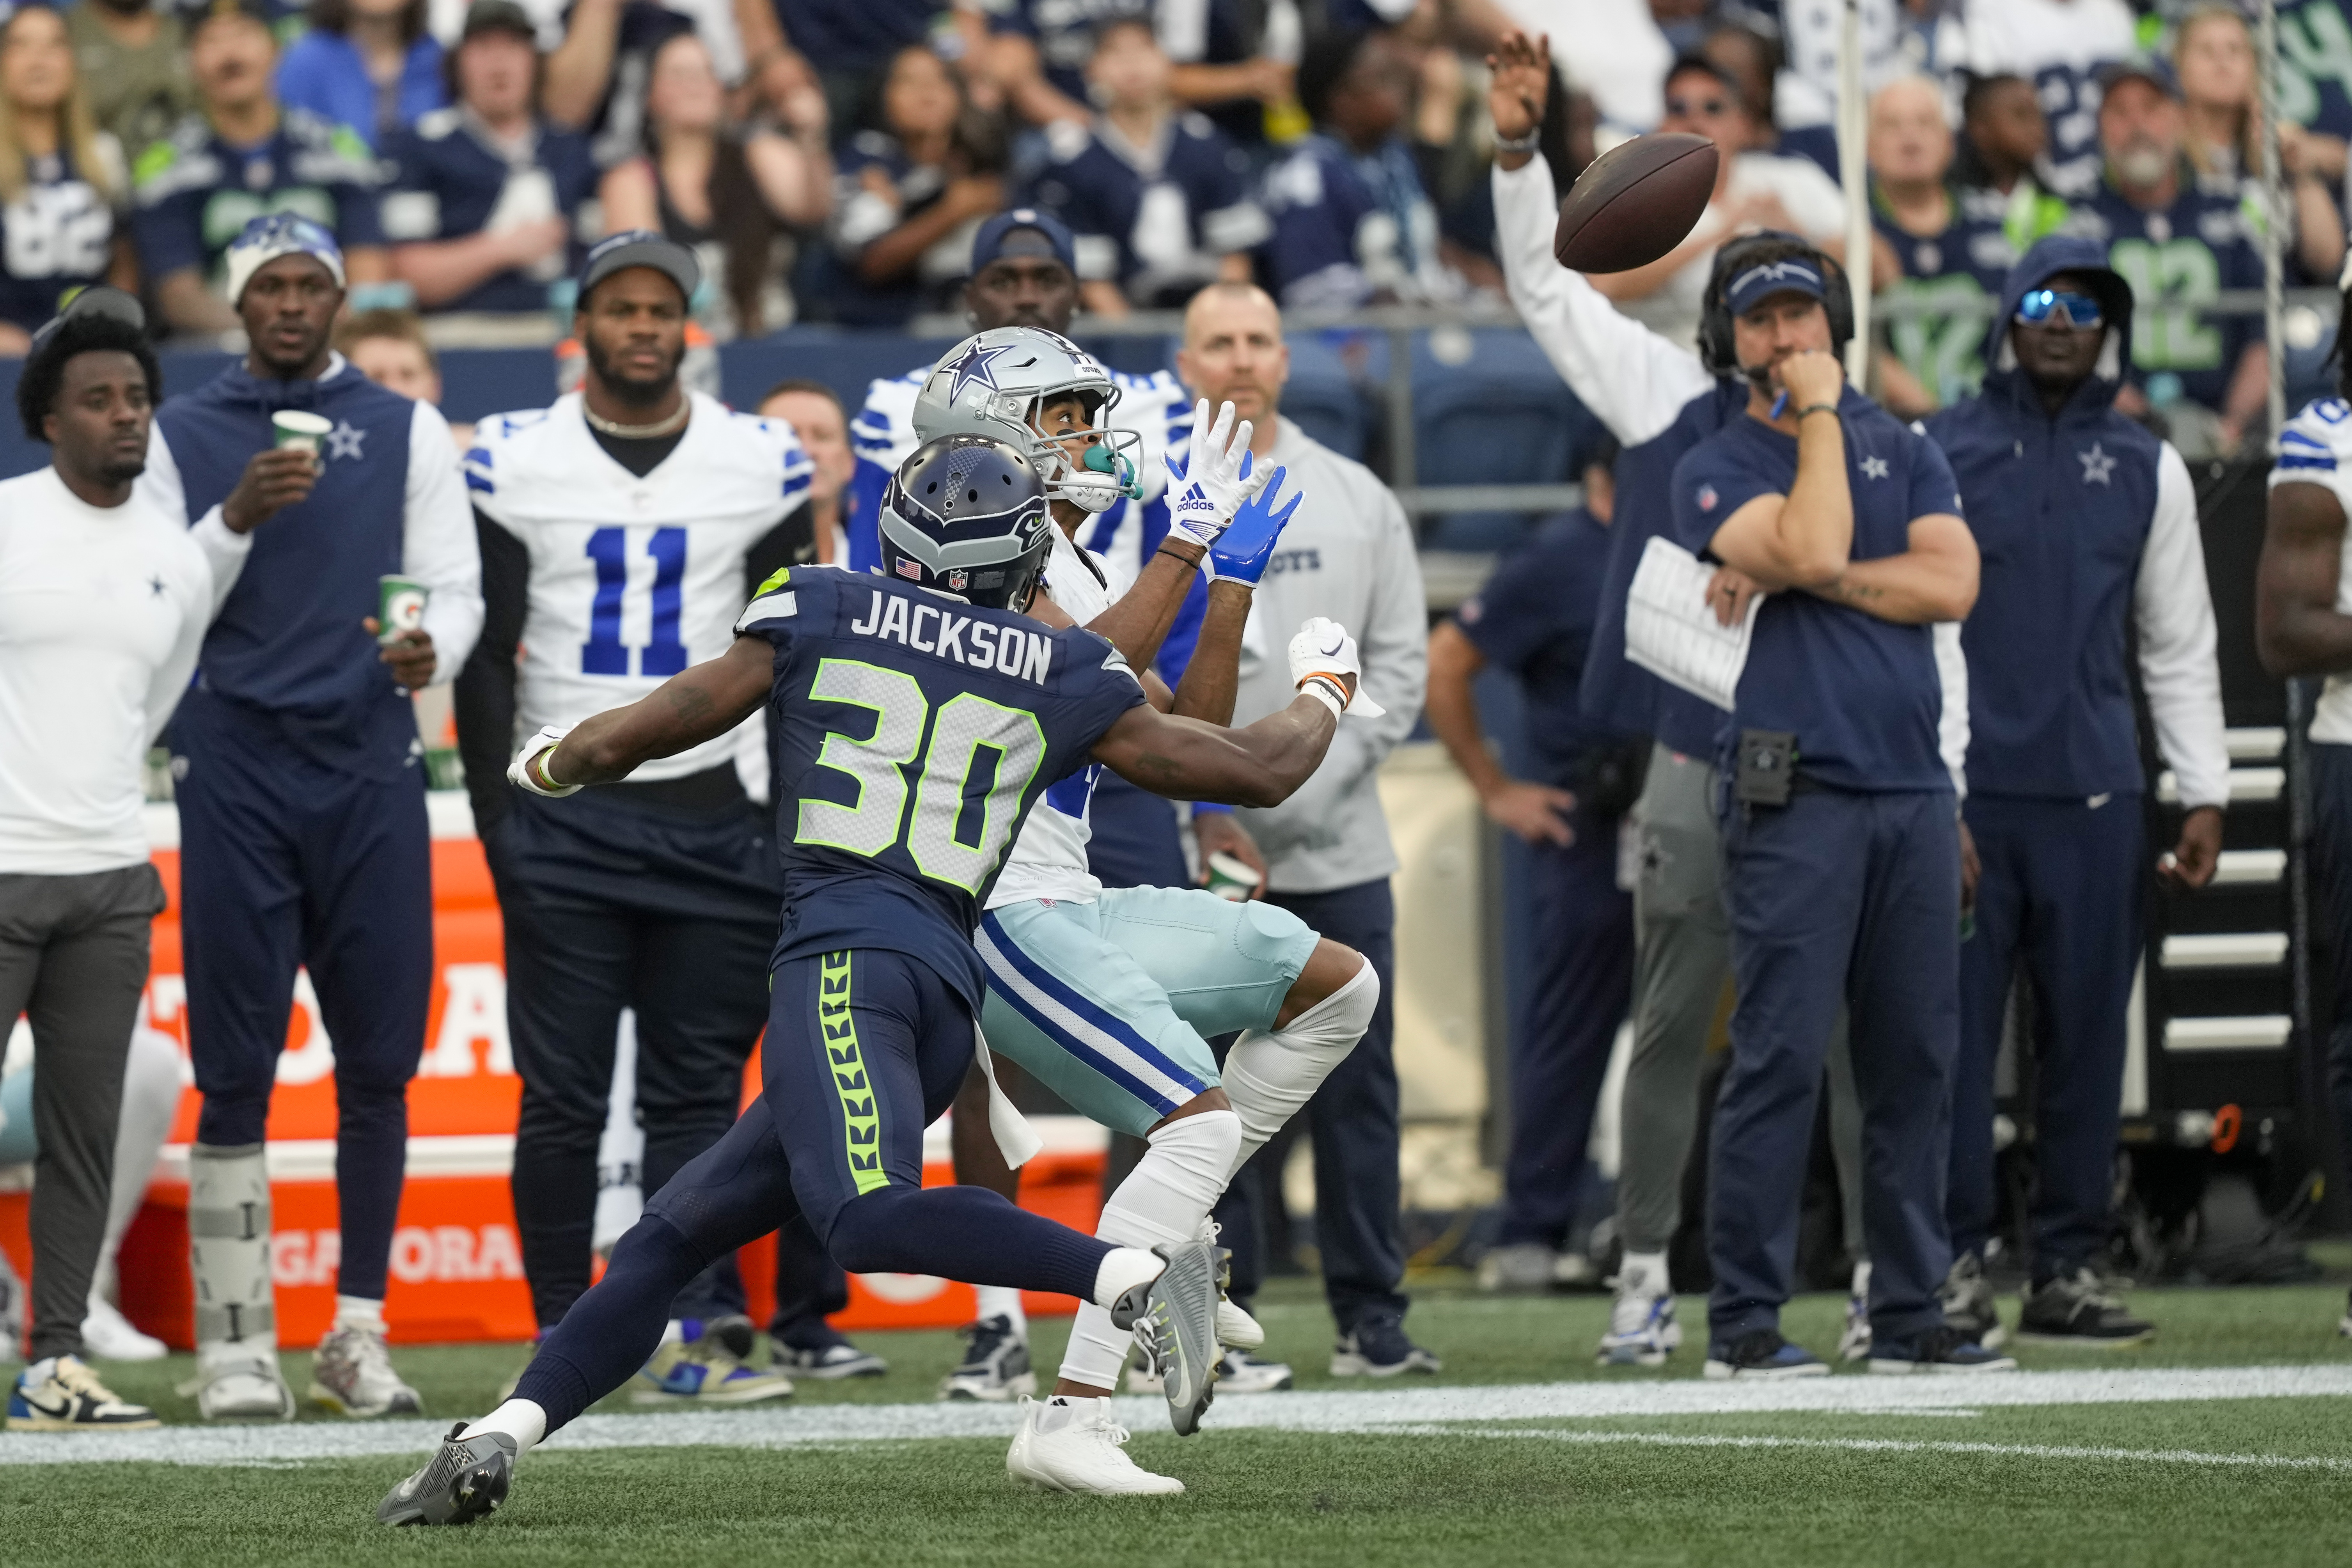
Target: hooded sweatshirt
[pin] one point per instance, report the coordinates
(2081, 520)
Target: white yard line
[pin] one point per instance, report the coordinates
(1896, 1446)
(1372, 1410)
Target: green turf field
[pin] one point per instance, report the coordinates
(2228, 1441)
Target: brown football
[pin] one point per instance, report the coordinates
(1635, 201)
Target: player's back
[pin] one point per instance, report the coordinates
(915, 731)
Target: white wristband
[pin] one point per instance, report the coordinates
(1326, 692)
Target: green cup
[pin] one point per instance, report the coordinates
(296, 429)
(399, 606)
(1230, 878)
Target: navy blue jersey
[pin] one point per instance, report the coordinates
(449, 183)
(860, 216)
(2176, 260)
(1958, 273)
(196, 193)
(55, 238)
(1534, 618)
(1861, 694)
(1346, 227)
(1065, 32)
(856, 34)
(2316, 65)
(886, 697)
(1157, 218)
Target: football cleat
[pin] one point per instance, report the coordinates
(1084, 1452)
(700, 1370)
(352, 1373)
(66, 1396)
(1174, 1319)
(995, 1365)
(467, 1480)
(1641, 1330)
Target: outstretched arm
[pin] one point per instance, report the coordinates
(689, 708)
(1184, 759)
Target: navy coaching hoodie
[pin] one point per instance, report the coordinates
(2062, 508)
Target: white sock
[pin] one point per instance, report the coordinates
(1004, 1301)
(1643, 1274)
(1163, 1200)
(1123, 1269)
(40, 1372)
(359, 1312)
(519, 1419)
(1271, 1077)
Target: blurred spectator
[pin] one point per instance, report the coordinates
(1237, 62)
(2214, 56)
(2315, 79)
(1352, 224)
(1934, 245)
(1899, 38)
(239, 157)
(1752, 190)
(2059, 45)
(813, 410)
(840, 47)
(486, 195)
(2002, 138)
(62, 181)
(726, 191)
(134, 65)
(1037, 51)
(907, 197)
(2177, 244)
(1619, 58)
(594, 80)
(367, 63)
(389, 348)
(1160, 201)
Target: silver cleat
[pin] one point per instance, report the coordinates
(1174, 1319)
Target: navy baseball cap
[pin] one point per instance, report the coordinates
(640, 247)
(988, 244)
(1789, 275)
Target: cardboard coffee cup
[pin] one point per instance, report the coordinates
(1230, 877)
(296, 429)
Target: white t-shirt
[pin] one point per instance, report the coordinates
(101, 613)
(1813, 204)
(1049, 859)
(632, 579)
(2315, 449)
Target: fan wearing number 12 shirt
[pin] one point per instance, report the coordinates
(621, 531)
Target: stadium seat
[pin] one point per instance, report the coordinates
(1498, 413)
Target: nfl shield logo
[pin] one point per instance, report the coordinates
(956, 579)
(1707, 498)
(906, 568)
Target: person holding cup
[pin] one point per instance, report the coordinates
(301, 790)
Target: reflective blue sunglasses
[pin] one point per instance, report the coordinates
(2043, 306)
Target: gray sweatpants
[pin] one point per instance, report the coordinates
(1682, 960)
(73, 959)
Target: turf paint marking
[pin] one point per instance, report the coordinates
(1370, 1411)
(1890, 1446)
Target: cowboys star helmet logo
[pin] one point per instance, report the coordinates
(975, 366)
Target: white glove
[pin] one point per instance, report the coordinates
(1205, 493)
(1323, 652)
(521, 772)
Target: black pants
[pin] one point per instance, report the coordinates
(2331, 821)
(73, 959)
(635, 898)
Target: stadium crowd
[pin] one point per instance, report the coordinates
(2057, 187)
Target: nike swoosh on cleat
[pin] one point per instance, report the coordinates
(59, 1409)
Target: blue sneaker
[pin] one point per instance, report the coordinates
(702, 1370)
(1941, 1348)
(1763, 1354)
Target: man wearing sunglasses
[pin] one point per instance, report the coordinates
(2085, 521)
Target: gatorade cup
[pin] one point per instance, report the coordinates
(1231, 879)
(296, 429)
(399, 606)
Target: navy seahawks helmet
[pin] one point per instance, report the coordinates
(967, 514)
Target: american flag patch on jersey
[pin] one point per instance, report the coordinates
(906, 568)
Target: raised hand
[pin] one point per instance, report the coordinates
(1521, 83)
(1241, 553)
(1205, 494)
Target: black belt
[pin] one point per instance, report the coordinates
(713, 789)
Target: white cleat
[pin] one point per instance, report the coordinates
(352, 1373)
(243, 1389)
(107, 1335)
(1236, 1330)
(1085, 1451)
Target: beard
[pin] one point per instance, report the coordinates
(123, 470)
(2143, 163)
(629, 390)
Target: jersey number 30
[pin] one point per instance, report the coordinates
(974, 769)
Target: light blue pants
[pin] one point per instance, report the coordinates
(1112, 1004)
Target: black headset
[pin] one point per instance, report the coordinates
(1716, 351)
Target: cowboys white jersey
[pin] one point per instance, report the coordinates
(632, 579)
(1049, 860)
(2315, 449)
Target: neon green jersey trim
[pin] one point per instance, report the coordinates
(862, 1126)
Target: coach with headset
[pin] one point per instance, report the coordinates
(1840, 840)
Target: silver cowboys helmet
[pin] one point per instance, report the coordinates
(997, 383)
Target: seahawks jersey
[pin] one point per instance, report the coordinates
(1049, 858)
(2315, 449)
(915, 731)
(1960, 271)
(631, 579)
(56, 237)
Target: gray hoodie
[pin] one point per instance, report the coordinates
(1349, 554)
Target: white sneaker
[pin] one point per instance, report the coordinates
(241, 1388)
(1642, 1329)
(352, 1373)
(61, 1394)
(1236, 1330)
(1524, 1266)
(1084, 1453)
(1853, 1340)
(108, 1335)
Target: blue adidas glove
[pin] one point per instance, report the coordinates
(1241, 552)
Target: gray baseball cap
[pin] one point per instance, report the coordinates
(640, 247)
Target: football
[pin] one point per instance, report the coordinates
(1634, 203)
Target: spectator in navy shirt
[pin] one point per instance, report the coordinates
(367, 63)
(1160, 200)
(597, 64)
(1841, 853)
(1533, 621)
(241, 156)
(62, 181)
(482, 208)
(1037, 51)
(1352, 224)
